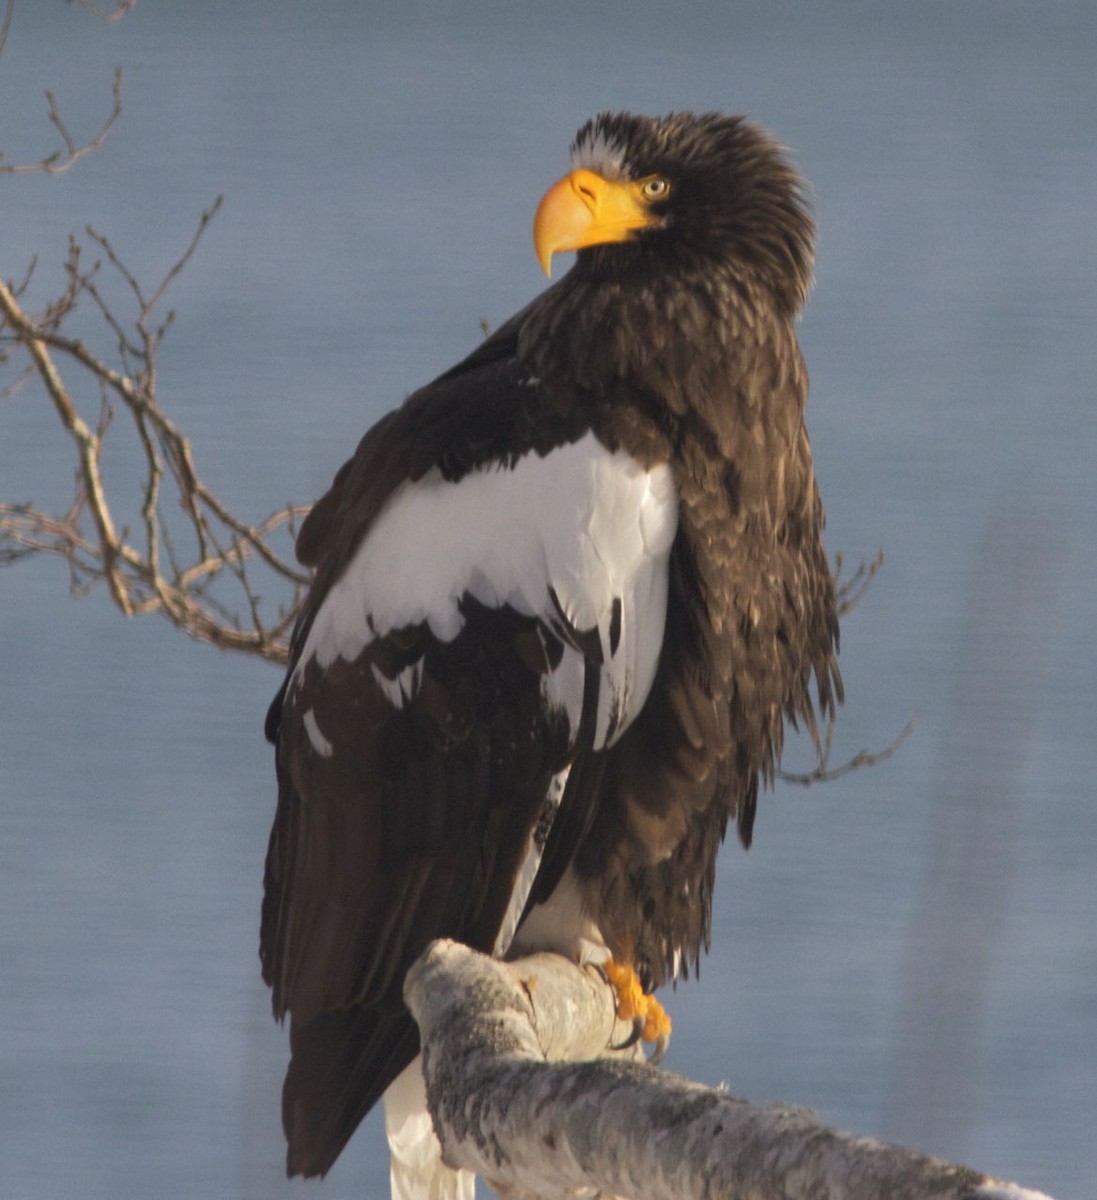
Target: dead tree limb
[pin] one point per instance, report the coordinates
(518, 1095)
(194, 562)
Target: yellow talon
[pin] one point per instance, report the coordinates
(634, 1004)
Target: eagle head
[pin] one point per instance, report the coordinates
(664, 198)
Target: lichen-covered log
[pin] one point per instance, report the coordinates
(520, 1094)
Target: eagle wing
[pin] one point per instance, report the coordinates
(480, 619)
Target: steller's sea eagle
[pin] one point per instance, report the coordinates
(565, 598)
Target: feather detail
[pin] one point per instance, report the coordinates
(417, 1171)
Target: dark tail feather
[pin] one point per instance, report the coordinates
(342, 1063)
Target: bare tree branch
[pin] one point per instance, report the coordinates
(823, 773)
(516, 1097)
(225, 549)
(112, 14)
(852, 591)
(61, 160)
(849, 592)
(5, 24)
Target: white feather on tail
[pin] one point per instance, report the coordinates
(417, 1171)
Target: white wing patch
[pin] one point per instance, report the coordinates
(417, 1171)
(403, 688)
(580, 531)
(319, 743)
(531, 864)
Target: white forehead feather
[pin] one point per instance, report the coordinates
(597, 151)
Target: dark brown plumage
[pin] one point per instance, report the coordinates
(415, 755)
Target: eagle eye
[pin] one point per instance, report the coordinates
(655, 188)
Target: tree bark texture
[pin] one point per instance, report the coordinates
(522, 1093)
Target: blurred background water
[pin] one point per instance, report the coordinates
(911, 951)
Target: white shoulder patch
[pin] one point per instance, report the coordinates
(579, 531)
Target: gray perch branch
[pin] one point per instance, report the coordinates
(520, 1095)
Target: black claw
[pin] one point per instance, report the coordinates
(637, 1031)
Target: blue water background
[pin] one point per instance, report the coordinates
(911, 951)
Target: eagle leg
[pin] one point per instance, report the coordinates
(633, 1004)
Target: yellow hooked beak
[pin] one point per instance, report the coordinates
(586, 209)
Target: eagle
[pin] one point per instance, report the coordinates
(565, 600)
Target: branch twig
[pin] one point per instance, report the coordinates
(61, 160)
(823, 773)
(850, 592)
(111, 14)
(5, 24)
(87, 536)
